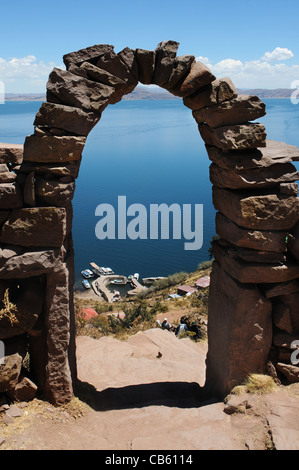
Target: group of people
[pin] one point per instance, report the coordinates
(182, 328)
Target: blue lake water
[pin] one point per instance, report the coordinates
(152, 153)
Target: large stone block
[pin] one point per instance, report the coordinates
(10, 371)
(58, 387)
(165, 56)
(146, 65)
(44, 147)
(128, 57)
(274, 153)
(237, 111)
(43, 226)
(113, 64)
(239, 332)
(92, 54)
(11, 153)
(53, 192)
(218, 91)
(181, 68)
(198, 77)
(73, 120)
(273, 241)
(50, 170)
(32, 262)
(66, 88)
(242, 136)
(254, 178)
(10, 196)
(259, 212)
(102, 76)
(254, 273)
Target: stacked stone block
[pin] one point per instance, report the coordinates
(255, 278)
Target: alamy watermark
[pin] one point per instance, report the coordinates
(295, 92)
(136, 222)
(295, 354)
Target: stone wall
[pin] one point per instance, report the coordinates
(254, 292)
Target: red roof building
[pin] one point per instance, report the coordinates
(202, 282)
(183, 290)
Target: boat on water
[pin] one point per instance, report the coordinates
(109, 271)
(86, 284)
(87, 273)
(96, 269)
(136, 276)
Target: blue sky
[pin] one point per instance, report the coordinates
(255, 43)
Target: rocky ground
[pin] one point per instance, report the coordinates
(146, 393)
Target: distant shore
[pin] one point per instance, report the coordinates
(141, 93)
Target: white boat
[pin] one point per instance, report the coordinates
(136, 276)
(86, 284)
(109, 271)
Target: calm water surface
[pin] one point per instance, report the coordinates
(152, 153)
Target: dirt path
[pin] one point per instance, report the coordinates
(146, 393)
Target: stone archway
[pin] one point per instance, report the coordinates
(254, 292)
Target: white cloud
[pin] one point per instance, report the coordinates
(24, 74)
(279, 53)
(259, 73)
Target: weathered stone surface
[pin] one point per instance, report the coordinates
(43, 147)
(282, 289)
(77, 71)
(165, 55)
(258, 256)
(102, 76)
(92, 54)
(66, 88)
(242, 136)
(128, 57)
(273, 153)
(239, 332)
(73, 120)
(54, 192)
(253, 178)
(29, 190)
(293, 242)
(25, 390)
(32, 262)
(166, 49)
(181, 68)
(11, 153)
(281, 317)
(293, 246)
(199, 76)
(146, 65)
(8, 177)
(256, 273)
(240, 110)
(218, 91)
(10, 368)
(43, 226)
(10, 196)
(273, 241)
(112, 63)
(292, 301)
(290, 372)
(288, 188)
(70, 169)
(260, 212)
(3, 216)
(58, 388)
(163, 70)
